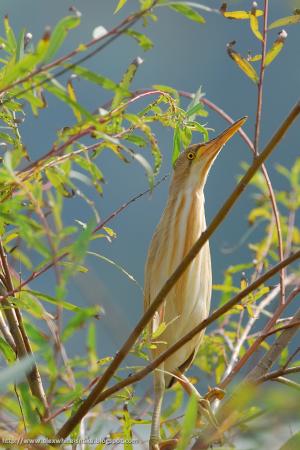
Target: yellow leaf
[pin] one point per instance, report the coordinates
(276, 48)
(255, 27)
(242, 63)
(72, 95)
(254, 58)
(120, 5)
(240, 15)
(284, 21)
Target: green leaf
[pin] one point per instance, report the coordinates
(53, 300)
(96, 78)
(189, 423)
(186, 10)
(142, 39)
(20, 45)
(28, 405)
(60, 92)
(59, 34)
(120, 5)
(16, 372)
(117, 266)
(10, 36)
(176, 144)
(79, 319)
(284, 21)
(292, 443)
(7, 351)
(124, 85)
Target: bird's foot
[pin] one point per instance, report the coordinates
(168, 444)
(214, 394)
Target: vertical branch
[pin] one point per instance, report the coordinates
(256, 145)
(261, 78)
(17, 330)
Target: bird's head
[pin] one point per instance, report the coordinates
(192, 166)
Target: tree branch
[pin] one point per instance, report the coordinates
(220, 216)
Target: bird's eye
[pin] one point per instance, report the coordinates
(190, 155)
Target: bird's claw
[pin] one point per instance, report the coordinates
(214, 394)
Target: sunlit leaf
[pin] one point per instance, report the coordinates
(276, 48)
(59, 34)
(254, 25)
(96, 78)
(186, 10)
(284, 21)
(6, 350)
(79, 319)
(120, 5)
(176, 145)
(143, 40)
(189, 423)
(72, 95)
(242, 63)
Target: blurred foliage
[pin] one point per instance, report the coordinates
(34, 194)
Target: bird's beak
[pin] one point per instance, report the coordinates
(210, 150)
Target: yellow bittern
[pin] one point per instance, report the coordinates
(188, 302)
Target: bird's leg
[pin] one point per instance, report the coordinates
(204, 403)
(159, 389)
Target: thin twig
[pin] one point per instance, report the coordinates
(277, 373)
(255, 346)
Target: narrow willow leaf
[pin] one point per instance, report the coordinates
(28, 406)
(284, 21)
(72, 95)
(20, 45)
(126, 81)
(148, 169)
(117, 266)
(60, 92)
(254, 25)
(13, 70)
(242, 63)
(176, 144)
(53, 300)
(120, 5)
(186, 10)
(142, 39)
(16, 372)
(7, 351)
(276, 48)
(59, 34)
(10, 36)
(238, 15)
(79, 319)
(127, 428)
(96, 78)
(189, 423)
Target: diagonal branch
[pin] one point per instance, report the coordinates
(218, 219)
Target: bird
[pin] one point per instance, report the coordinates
(188, 302)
